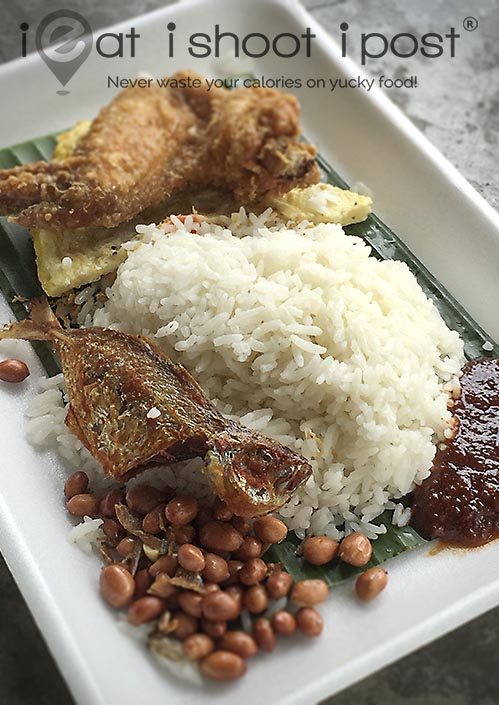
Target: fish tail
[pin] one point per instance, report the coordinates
(42, 324)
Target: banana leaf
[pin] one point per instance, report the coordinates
(394, 542)
(18, 278)
(19, 283)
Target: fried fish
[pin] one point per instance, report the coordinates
(130, 406)
(150, 143)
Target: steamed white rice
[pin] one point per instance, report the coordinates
(302, 335)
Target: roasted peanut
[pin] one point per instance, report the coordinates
(279, 584)
(371, 583)
(142, 583)
(216, 569)
(355, 549)
(181, 510)
(13, 371)
(253, 571)
(256, 599)
(237, 592)
(197, 646)
(210, 587)
(151, 523)
(113, 530)
(234, 569)
(283, 623)
(191, 603)
(241, 524)
(185, 625)
(223, 666)
(172, 602)
(251, 547)
(238, 642)
(213, 628)
(81, 505)
(145, 609)
(191, 558)
(319, 550)
(220, 606)
(308, 593)
(116, 585)
(309, 621)
(184, 533)
(77, 483)
(270, 529)
(221, 511)
(203, 516)
(263, 634)
(220, 536)
(143, 498)
(125, 546)
(109, 501)
(164, 564)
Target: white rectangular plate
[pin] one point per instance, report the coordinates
(438, 214)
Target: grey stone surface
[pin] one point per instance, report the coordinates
(28, 675)
(456, 105)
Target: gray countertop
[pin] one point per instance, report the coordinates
(456, 104)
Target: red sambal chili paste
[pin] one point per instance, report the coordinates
(459, 501)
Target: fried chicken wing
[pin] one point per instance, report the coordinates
(150, 143)
(130, 405)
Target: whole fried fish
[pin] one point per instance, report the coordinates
(150, 143)
(130, 406)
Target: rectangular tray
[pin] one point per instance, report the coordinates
(436, 213)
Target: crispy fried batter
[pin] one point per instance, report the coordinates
(149, 143)
(114, 380)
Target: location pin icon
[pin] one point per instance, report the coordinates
(64, 41)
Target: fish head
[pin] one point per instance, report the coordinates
(256, 475)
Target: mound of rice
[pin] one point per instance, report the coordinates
(301, 334)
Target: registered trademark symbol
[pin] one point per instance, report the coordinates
(470, 24)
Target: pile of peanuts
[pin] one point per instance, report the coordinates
(356, 550)
(196, 573)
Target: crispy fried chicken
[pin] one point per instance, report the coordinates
(150, 143)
